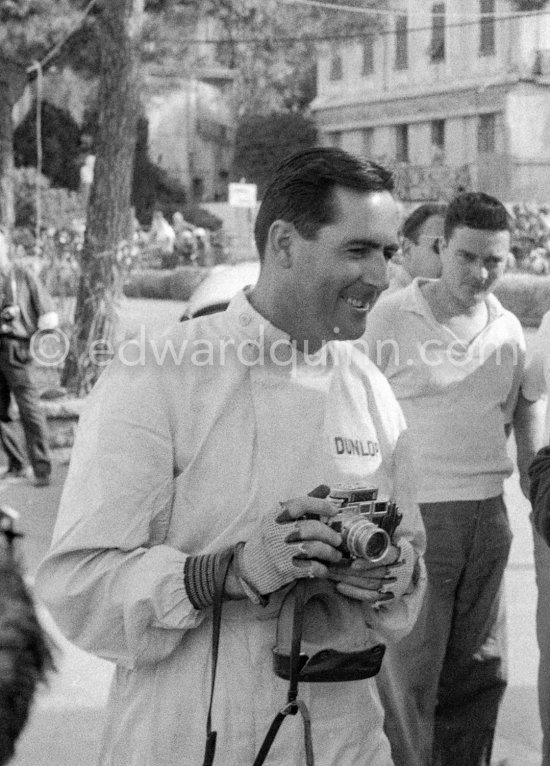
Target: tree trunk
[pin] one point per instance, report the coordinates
(12, 84)
(7, 196)
(119, 27)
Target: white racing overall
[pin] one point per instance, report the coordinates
(180, 456)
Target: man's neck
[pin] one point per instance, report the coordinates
(445, 306)
(273, 309)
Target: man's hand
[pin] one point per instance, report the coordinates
(286, 546)
(529, 436)
(374, 584)
(364, 581)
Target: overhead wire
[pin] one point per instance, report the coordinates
(473, 20)
(39, 152)
(366, 10)
(59, 45)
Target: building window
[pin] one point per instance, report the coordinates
(367, 135)
(438, 134)
(486, 133)
(401, 43)
(336, 69)
(487, 28)
(402, 143)
(437, 46)
(335, 138)
(368, 54)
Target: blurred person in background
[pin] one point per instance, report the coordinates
(185, 245)
(204, 251)
(162, 239)
(25, 308)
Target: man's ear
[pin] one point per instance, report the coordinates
(404, 249)
(442, 245)
(279, 239)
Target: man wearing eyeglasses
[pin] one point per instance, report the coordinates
(421, 235)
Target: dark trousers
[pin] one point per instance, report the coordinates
(441, 686)
(16, 378)
(542, 572)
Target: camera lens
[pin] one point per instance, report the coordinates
(366, 540)
(376, 545)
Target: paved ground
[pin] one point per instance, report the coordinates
(66, 725)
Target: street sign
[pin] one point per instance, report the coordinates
(243, 195)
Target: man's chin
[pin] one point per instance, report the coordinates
(350, 332)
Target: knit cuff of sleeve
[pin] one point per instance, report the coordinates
(249, 590)
(204, 576)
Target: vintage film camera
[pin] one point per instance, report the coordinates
(365, 523)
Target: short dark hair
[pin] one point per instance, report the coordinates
(476, 210)
(301, 189)
(410, 228)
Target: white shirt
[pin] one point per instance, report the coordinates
(456, 396)
(182, 457)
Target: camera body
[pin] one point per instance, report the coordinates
(365, 523)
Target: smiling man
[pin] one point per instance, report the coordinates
(183, 469)
(454, 358)
(322, 288)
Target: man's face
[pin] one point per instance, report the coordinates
(421, 258)
(337, 277)
(472, 261)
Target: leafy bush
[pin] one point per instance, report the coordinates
(526, 295)
(60, 207)
(531, 237)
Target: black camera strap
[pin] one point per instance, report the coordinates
(211, 736)
(294, 705)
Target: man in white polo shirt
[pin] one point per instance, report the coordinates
(454, 358)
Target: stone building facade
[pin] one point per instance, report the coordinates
(453, 94)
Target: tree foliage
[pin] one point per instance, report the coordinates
(60, 145)
(263, 141)
(270, 45)
(276, 61)
(28, 30)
